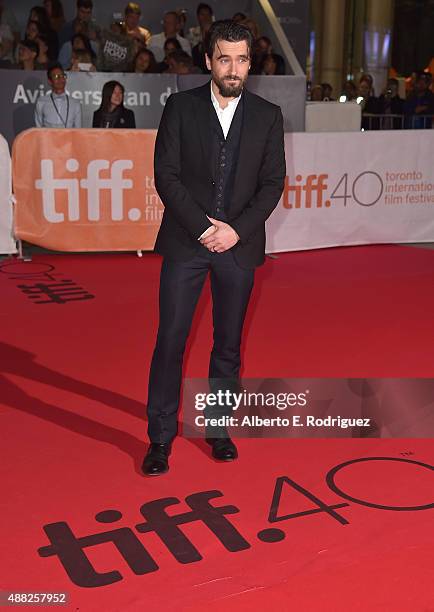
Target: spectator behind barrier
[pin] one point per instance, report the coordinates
(27, 53)
(57, 109)
(273, 64)
(144, 62)
(327, 92)
(55, 14)
(182, 20)
(82, 23)
(112, 113)
(8, 26)
(81, 61)
(369, 80)
(205, 17)
(369, 104)
(316, 93)
(39, 15)
(389, 103)
(132, 18)
(349, 92)
(6, 45)
(264, 60)
(171, 27)
(43, 59)
(77, 42)
(419, 106)
(170, 45)
(180, 62)
(116, 50)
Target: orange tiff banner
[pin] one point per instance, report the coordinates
(86, 190)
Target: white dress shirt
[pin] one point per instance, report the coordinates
(225, 115)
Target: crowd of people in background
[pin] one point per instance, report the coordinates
(123, 46)
(127, 46)
(389, 110)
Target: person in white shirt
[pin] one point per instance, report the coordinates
(57, 109)
(170, 30)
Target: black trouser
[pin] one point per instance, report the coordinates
(180, 287)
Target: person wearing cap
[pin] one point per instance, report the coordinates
(57, 109)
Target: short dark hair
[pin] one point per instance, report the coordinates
(172, 41)
(31, 45)
(52, 67)
(202, 6)
(227, 30)
(85, 4)
(181, 57)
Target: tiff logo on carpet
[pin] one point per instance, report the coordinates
(46, 286)
(162, 520)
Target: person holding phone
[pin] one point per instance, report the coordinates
(81, 61)
(112, 112)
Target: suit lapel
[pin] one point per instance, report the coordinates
(203, 121)
(249, 125)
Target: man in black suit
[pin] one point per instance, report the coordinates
(219, 170)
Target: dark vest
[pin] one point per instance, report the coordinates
(224, 159)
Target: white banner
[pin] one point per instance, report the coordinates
(7, 243)
(355, 188)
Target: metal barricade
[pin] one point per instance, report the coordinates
(372, 121)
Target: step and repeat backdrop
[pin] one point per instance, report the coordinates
(93, 190)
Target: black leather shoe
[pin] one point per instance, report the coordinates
(223, 449)
(156, 461)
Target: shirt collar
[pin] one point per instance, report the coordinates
(216, 104)
(58, 95)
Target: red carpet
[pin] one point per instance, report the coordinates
(72, 397)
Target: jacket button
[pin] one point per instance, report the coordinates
(213, 182)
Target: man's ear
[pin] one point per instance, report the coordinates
(208, 61)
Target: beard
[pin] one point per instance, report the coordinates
(229, 90)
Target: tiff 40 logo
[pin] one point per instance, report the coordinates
(165, 518)
(93, 184)
(311, 191)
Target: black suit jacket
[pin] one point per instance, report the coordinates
(125, 120)
(185, 181)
